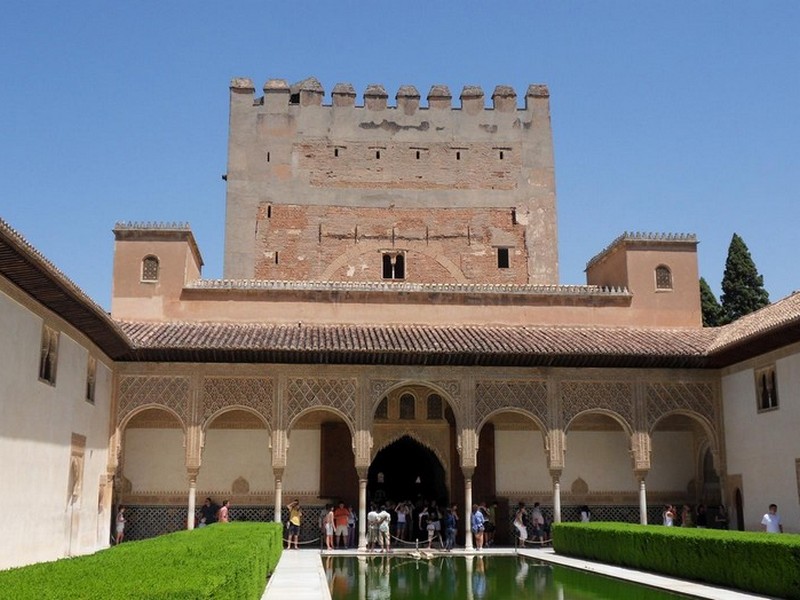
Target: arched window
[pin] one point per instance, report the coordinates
(407, 410)
(394, 265)
(150, 268)
(663, 278)
(434, 407)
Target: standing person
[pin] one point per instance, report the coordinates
(222, 515)
(669, 515)
(295, 515)
(537, 522)
(478, 521)
(771, 521)
(341, 516)
(372, 527)
(384, 537)
(352, 520)
(450, 519)
(426, 525)
(402, 513)
(721, 519)
(521, 523)
(328, 526)
(586, 514)
(701, 519)
(120, 525)
(686, 516)
(491, 524)
(208, 513)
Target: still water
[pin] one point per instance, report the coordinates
(399, 576)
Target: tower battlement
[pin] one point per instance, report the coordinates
(463, 193)
(278, 94)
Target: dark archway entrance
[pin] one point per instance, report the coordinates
(406, 470)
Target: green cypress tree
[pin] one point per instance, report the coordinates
(712, 311)
(742, 287)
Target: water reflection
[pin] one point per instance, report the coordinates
(405, 577)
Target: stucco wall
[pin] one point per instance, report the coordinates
(302, 465)
(601, 459)
(37, 423)
(763, 447)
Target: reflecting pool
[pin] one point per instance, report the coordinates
(396, 576)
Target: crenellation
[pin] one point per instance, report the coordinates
(472, 99)
(375, 97)
(343, 94)
(504, 98)
(276, 95)
(439, 97)
(407, 99)
(308, 92)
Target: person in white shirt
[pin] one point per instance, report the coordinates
(771, 522)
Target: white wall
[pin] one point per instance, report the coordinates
(302, 463)
(601, 458)
(762, 447)
(520, 463)
(155, 460)
(232, 453)
(37, 421)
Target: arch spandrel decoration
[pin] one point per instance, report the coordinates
(302, 394)
(694, 397)
(136, 391)
(583, 396)
(222, 392)
(528, 396)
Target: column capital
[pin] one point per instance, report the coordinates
(641, 474)
(468, 472)
(555, 475)
(192, 473)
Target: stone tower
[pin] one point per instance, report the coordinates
(435, 194)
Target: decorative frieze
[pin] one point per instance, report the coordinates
(666, 397)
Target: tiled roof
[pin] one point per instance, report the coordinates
(420, 344)
(31, 272)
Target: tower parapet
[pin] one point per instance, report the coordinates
(289, 147)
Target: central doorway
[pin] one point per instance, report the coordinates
(406, 470)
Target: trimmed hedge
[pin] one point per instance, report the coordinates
(761, 563)
(223, 562)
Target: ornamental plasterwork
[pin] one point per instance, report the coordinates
(252, 392)
(530, 396)
(302, 394)
(697, 397)
(580, 396)
(452, 388)
(140, 390)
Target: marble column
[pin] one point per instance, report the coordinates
(362, 510)
(192, 508)
(640, 475)
(556, 475)
(468, 472)
(278, 474)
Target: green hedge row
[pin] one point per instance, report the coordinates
(754, 562)
(224, 562)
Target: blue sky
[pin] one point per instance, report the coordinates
(668, 116)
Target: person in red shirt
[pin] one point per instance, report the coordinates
(340, 518)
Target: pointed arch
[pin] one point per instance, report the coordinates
(123, 424)
(235, 407)
(615, 416)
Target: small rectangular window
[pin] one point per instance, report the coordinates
(502, 258)
(91, 378)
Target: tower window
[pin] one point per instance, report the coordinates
(150, 268)
(377, 154)
(458, 155)
(417, 154)
(502, 258)
(663, 278)
(394, 266)
(501, 155)
(336, 153)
